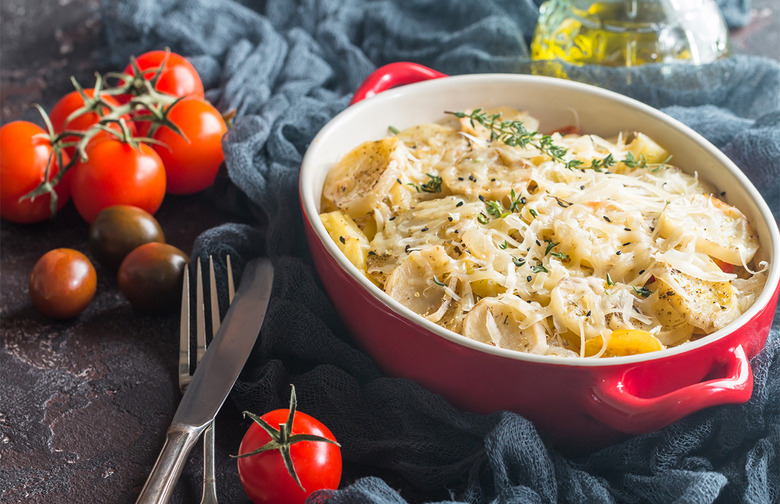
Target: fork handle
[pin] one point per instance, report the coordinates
(179, 440)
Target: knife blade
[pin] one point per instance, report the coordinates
(213, 378)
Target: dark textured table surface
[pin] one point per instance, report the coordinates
(84, 404)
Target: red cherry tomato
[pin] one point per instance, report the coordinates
(178, 78)
(264, 475)
(117, 173)
(24, 153)
(62, 283)
(72, 102)
(191, 161)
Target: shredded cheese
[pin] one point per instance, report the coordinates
(510, 246)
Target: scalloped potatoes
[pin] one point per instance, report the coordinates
(560, 244)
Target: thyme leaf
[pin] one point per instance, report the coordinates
(515, 134)
(642, 291)
(432, 186)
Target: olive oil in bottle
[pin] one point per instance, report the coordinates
(630, 32)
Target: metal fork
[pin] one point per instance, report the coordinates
(186, 369)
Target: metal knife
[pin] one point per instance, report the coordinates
(214, 377)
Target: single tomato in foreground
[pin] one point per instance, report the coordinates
(117, 173)
(177, 78)
(62, 283)
(150, 277)
(120, 229)
(310, 448)
(191, 160)
(72, 102)
(25, 151)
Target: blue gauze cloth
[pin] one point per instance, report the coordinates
(287, 67)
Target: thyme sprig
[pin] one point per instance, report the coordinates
(632, 161)
(432, 186)
(515, 134)
(600, 165)
(642, 291)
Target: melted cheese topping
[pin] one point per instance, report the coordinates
(509, 246)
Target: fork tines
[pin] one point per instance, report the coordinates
(186, 366)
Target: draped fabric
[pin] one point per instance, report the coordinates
(288, 66)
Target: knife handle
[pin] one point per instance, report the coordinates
(179, 440)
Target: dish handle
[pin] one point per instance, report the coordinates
(392, 75)
(614, 404)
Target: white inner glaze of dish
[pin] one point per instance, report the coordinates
(554, 102)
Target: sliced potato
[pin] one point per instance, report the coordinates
(623, 342)
(486, 287)
(417, 282)
(643, 145)
(507, 322)
(720, 230)
(704, 304)
(576, 304)
(364, 176)
(675, 329)
(348, 237)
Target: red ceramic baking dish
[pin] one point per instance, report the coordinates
(579, 403)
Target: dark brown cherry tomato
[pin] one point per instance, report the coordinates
(62, 283)
(150, 277)
(120, 229)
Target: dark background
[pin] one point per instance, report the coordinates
(84, 404)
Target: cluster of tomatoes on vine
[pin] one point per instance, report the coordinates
(149, 133)
(116, 150)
